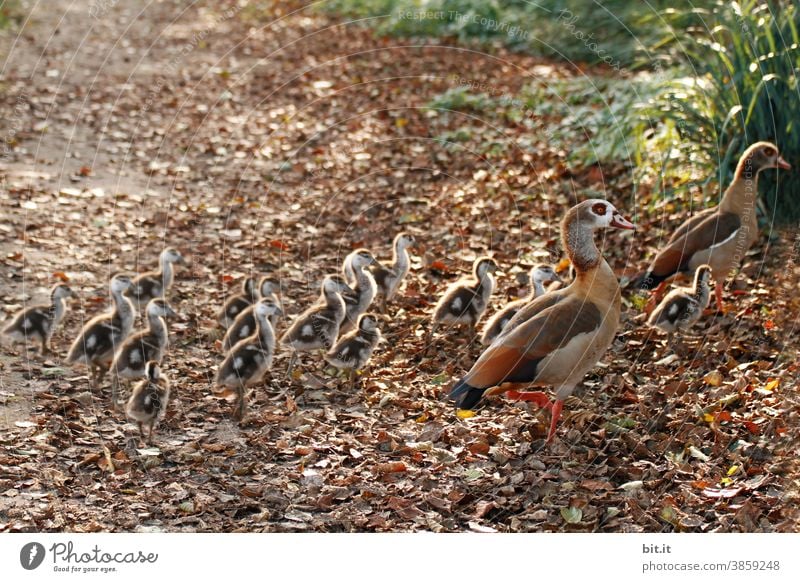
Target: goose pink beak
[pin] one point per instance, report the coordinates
(783, 164)
(619, 221)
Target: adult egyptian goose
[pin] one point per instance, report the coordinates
(465, 301)
(154, 284)
(352, 352)
(682, 307)
(149, 399)
(318, 326)
(245, 323)
(540, 275)
(142, 347)
(102, 335)
(389, 278)
(237, 303)
(358, 299)
(557, 338)
(39, 322)
(718, 236)
(248, 361)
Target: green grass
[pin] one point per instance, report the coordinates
(744, 89)
(619, 33)
(10, 13)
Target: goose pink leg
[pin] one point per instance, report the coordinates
(541, 400)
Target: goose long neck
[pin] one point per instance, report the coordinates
(485, 284)
(167, 272)
(400, 258)
(579, 242)
(331, 298)
(156, 325)
(265, 332)
(123, 309)
(363, 278)
(59, 307)
(740, 196)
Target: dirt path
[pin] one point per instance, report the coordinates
(274, 140)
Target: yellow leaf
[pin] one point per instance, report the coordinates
(713, 378)
(709, 418)
(725, 481)
(401, 122)
(562, 265)
(733, 470)
(422, 417)
(465, 413)
(772, 384)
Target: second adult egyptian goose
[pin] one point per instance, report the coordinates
(540, 275)
(561, 335)
(718, 236)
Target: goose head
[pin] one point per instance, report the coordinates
(171, 255)
(484, 266)
(764, 155)
(160, 308)
(266, 308)
(62, 291)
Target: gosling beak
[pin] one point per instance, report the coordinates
(783, 164)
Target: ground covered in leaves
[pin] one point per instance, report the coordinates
(265, 137)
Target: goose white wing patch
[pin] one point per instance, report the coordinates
(673, 309)
(27, 324)
(730, 238)
(237, 363)
(457, 303)
(91, 341)
(308, 329)
(135, 357)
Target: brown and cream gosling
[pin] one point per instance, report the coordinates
(249, 360)
(101, 336)
(149, 399)
(389, 278)
(465, 301)
(539, 275)
(145, 346)
(352, 352)
(238, 302)
(155, 284)
(39, 322)
(318, 326)
(358, 299)
(683, 307)
(245, 323)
